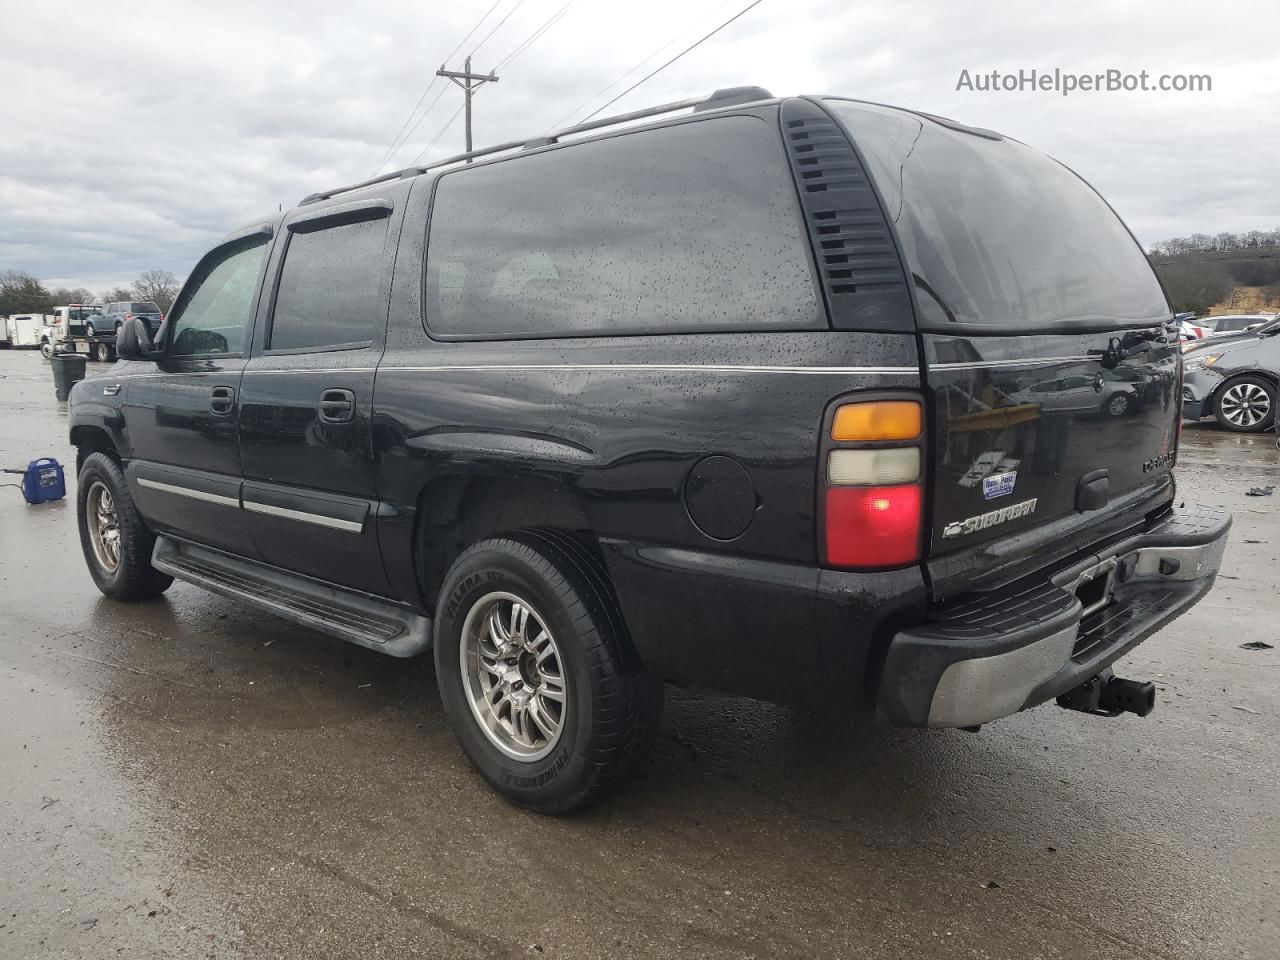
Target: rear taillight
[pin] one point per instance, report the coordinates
(873, 499)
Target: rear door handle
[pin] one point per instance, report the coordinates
(337, 406)
(222, 401)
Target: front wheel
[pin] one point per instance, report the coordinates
(1246, 405)
(116, 543)
(536, 672)
(46, 349)
(1118, 405)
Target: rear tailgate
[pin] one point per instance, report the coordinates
(1043, 445)
(1051, 359)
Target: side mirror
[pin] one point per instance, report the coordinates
(133, 342)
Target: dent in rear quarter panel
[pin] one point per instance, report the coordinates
(618, 423)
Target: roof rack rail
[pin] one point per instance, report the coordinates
(725, 97)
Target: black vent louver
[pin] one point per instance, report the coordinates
(862, 277)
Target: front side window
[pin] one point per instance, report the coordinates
(215, 309)
(688, 228)
(328, 290)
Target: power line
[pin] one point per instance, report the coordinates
(609, 86)
(399, 140)
(438, 135)
(650, 76)
(475, 50)
(533, 37)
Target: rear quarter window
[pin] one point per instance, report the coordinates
(996, 233)
(688, 228)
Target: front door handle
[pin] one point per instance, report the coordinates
(337, 406)
(222, 401)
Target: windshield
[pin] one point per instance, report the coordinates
(996, 233)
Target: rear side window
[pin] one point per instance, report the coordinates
(999, 234)
(687, 228)
(213, 312)
(329, 284)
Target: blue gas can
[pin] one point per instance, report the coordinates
(43, 481)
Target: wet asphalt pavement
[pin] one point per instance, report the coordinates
(190, 778)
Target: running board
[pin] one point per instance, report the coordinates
(355, 617)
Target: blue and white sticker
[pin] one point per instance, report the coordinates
(999, 484)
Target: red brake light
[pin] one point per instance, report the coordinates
(873, 526)
(873, 456)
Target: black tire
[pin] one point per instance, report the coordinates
(613, 703)
(133, 577)
(102, 352)
(1229, 415)
(1117, 405)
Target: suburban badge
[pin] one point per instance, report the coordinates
(984, 520)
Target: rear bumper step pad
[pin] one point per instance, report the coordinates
(987, 655)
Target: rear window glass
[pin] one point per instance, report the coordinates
(997, 233)
(686, 228)
(143, 308)
(329, 284)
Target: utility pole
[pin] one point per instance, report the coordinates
(468, 82)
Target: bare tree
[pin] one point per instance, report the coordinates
(63, 295)
(116, 294)
(158, 286)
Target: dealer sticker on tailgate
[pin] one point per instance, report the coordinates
(999, 484)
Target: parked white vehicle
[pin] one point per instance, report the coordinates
(1235, 323)
(22, 330)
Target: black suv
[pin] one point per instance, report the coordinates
(745, 397)
(115, 314)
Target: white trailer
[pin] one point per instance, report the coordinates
(23, 330)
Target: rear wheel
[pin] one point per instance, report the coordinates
(102, 352)
(116, 543)
(1246, 404)
(537, 675)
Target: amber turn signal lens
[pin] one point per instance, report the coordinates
(878, 420)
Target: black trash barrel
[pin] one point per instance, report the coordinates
(67, 369)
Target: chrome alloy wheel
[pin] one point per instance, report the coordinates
(104, 527)
(1245, 404)
(513, 675)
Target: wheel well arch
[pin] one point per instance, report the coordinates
(88, 439)
(1267, 375)
(457, 510)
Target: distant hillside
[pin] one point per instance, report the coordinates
(1239, 279)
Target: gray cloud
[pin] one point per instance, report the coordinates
(176, 123)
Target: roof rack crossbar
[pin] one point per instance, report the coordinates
(730, 96)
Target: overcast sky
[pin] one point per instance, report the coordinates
(134, 134)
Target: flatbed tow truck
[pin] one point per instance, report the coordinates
(67, 332)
